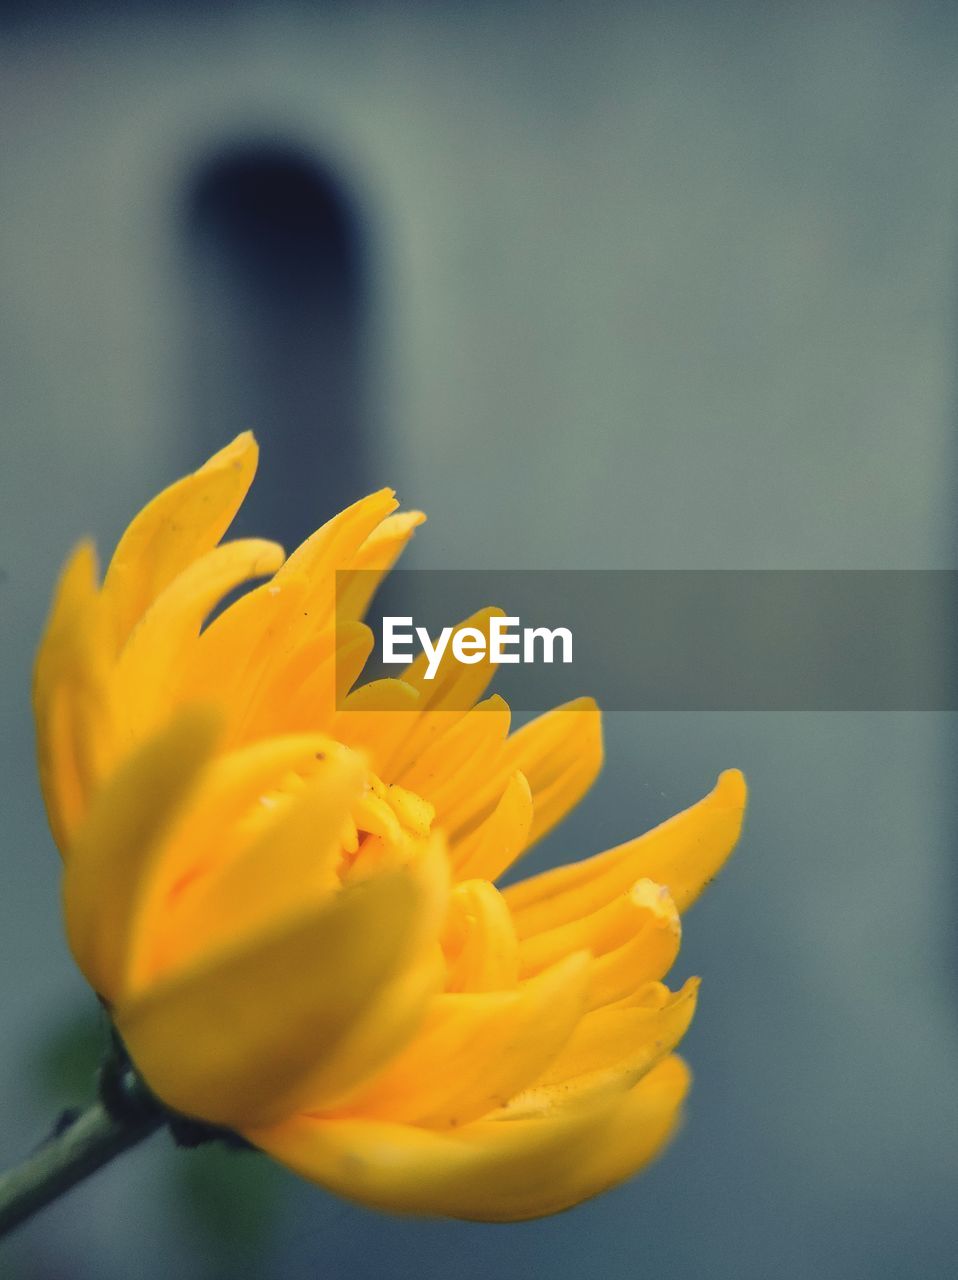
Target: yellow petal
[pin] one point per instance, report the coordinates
(560, 755)
(497, 842)
(446, 770)
(602, 931)
(684, 854)
(479, 940)
(610, 1049)
(148, 670)
(356, 586)
(232, 808)
(290, 863)
(331, 548)
(291, 690)
(181, 524)
(377, 719)
(128, 822)
(70, 699)
(645, 1121)
(235, 1040)
(455, 686)
(295, 679)
(646, 956)
(354, 644)
(237, 650)
(474, 1051)
(489, 1171)
(394, 1012)
(390, 1020)
(445, 699)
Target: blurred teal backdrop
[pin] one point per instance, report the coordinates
(650, 285)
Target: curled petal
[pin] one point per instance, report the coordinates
(233, 806)
(474, 1051)
(291, 860)
(479, 940)
(238, 650)
(602, 931)
(559, 753)
(236, 1040)
(684, 854)
(492, 1170)
(181, 524)
(610, 1050)
(126, 828)
(148, 670)
(394, 1013)
(646, 957)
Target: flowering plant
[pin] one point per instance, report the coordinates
(282, 884)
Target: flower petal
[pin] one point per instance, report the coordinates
(479, 940)
(148, 669)
(235, 807)
(455, 686)
(393, 1013)
(380, 551)
(489, 1171)
(292, 862)
(474, 1051)
(445, 699)
(560, 754)
(646, 957)
(332, 548)
(235, 1040)
(496, 843)
(447, 769)
(610, 1049)
(238, 648)
(613, 925)
(177, 527)
(377, 718)
(127, 823)
(684, 854)
(70, 696)
(312, 699)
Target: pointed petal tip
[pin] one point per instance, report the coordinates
(241, 452)
(495, 702)
(584, 704)
(85, 553)
(80, 570)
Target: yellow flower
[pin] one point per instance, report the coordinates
(290, 908)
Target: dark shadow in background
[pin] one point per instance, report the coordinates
(277, 304)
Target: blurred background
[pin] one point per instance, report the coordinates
(599, 285)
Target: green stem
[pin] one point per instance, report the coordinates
(85, 1144)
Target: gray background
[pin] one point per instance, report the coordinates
(642, 286)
